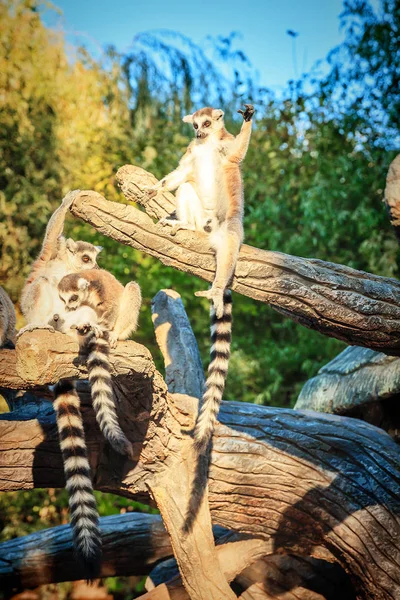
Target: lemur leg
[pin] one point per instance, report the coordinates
(189, 210)
(226, 242)
(128, 316)
(43, 301)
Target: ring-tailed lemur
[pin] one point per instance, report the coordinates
(58, 256)
(209, 198)
(7, 319)
(117, 310)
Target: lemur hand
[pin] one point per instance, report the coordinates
(151, 190)
(33, 328)
(248, 113)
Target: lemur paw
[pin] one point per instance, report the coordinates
(33, 328)
(83, 328)
(175, 225)
(248, 113)
(216, 296)
(113, 340)
(149, 192)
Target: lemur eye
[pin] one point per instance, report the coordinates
(195, 126)
(206, 123)
(74, 298)
(85, 258)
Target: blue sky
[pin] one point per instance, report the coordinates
(262, 25)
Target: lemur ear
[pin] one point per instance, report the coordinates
(71, 245)
(99, 249)
(217, 114)
(83, 284)
(188, 119)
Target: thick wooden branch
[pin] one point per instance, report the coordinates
(132, 544)
(360, 383)
(357, 307)
(306, 484)
(183, 369)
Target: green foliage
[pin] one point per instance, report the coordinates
(314, 178)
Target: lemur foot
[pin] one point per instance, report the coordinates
(175, 225)
(216, 295)
(248, 113)
(112, 340)
(83, 328)
(33, 328)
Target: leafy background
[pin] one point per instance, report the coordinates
(314, 179)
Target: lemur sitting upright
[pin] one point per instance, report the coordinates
(58, 256)
(209, 198)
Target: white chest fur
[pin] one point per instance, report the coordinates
(207, 168)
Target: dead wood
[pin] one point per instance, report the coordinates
(357, 307)
(303, 484)
(359, 383)
(183, 369)
(132, 544)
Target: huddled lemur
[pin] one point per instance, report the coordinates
(209, 198)
(117, 312)
(97, 308)
(58, 256)
(7, 319)
(99, 311)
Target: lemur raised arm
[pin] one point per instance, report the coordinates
(209, 197)
(117, 311)
(58, 256)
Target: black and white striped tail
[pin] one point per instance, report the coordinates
(99, 375)
(221, 335)
(84, 517)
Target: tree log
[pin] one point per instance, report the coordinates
(132, 544)
(360, 383)
(357, 307)
(305, 484)
(183, 368)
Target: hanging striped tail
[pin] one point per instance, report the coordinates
(84, 517)
(221, 335)
(99, 375)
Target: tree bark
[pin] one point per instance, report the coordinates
(183, 369)
(357, 307)
(359, 383)
(132, 545)
(303, 484)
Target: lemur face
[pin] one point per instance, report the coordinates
(82, 255)
(205, 121)
(75, 296)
